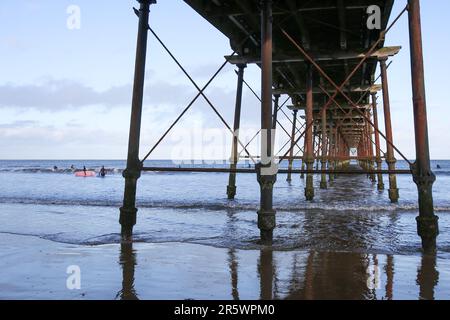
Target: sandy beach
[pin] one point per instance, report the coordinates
(36, 269)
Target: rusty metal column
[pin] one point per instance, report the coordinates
(266, 169)
(336, 150)
(314, 144)
(302, 175)
(323, 180)
(331, 149)
(319, 147)
(393, 191)
(231, 188)
(380, 184)
(275, 111)
(309, 159)
(291, 153)
(132, 172)
(370, 144)
(427, 221)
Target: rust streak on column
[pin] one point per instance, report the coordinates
(393, 191)
(231, 188)
(427, 221)
(132, 172)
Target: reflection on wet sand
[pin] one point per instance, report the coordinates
(309, 275)
(233, 273)
(427, 277)
(128, 263)
(347, 276)
(320, 272)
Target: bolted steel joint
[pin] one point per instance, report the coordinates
(422, 179)
(309, 193)
(128, 217)
(131, 173)
(231, 192)
(394, 195)
(391, 161)
(266, 220)
(427, 226)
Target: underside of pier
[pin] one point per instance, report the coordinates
(324, 56)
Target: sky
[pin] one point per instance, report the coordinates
(66, 93)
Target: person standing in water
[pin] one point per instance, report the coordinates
(103, 171)
(84, 170)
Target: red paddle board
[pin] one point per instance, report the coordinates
(85, 174)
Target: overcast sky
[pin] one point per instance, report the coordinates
(65, 94)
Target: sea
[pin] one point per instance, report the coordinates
(348, 233)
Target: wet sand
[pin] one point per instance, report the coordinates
(33, 268)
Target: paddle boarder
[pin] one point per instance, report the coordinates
(103, 171)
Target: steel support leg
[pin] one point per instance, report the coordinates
(132, 172)
(231, 188)
(331, 154)
(393, 191)
(291, 154)
(380, 184)
(371, 155)
(309, 189)
(323, 180)
(302, 175)
(427, 221)
(265, 174)
(276, 105)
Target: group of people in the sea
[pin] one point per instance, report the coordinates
(102, 171)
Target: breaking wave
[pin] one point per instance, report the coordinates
(224, 205)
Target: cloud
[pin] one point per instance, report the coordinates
(161, 97)
(18, 124)
(60, 95)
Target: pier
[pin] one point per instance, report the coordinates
(321, 58)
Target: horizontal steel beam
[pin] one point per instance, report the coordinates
(281, 171)
(337, 55)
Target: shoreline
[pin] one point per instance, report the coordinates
(36, 269)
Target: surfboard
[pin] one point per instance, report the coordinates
(83, 174)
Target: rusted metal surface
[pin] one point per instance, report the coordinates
(132, 173)
(427, 221)
(323, 177)
(291, 156)
(231, 188)
(380, 183)
(309, 149)
(390, 159)
(266, 213)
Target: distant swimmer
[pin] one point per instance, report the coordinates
(103, 171)
(438, 166)
(72, 167)
(55, 168)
